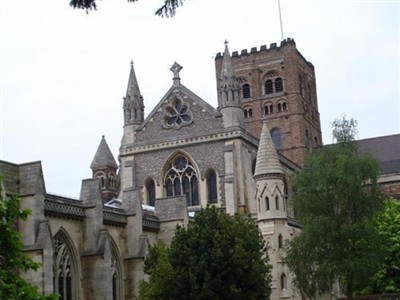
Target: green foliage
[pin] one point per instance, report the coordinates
(160, 272)
(168, 9)
(336, 198)
(387, 279)
(12, 257)
(344, 130)
(217, 257)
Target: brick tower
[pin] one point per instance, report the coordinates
(278, 83)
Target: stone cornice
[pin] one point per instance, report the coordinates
(229, 134)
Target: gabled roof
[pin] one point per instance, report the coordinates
(103, 157)
(385, 149)
(174, 90)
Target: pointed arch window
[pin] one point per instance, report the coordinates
(267, 203)
(116, 276)
(246, 92)
(102, 181)
(151, 192)
(276, 138)
(283, 281)
(63, 269)
(212, 187)
(280, 241)
(181, 179)
(276, 202)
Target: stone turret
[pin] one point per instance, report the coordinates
(228, 94)
(272, 210)
(269, 178)
(133, 109)
(105, 168)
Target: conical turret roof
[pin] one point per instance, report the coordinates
(103, 157)
(267, 158)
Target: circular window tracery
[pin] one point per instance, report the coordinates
(177, 115)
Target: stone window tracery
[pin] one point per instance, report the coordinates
(63, 272)
(177, 115)
(181, 179)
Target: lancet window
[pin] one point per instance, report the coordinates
(63, 269)
(276, 138)
(212, 186)
(151, 192)
(181, 179)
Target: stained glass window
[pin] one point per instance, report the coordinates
(181, 179)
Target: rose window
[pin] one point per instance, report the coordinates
(177, 115)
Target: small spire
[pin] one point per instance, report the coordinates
(133, 86)
(227, 69)
(176, 68)
(103, 157)
(267, 158)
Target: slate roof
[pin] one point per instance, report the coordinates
(103, 157)
(386, 149)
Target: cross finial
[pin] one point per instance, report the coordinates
(176, 68)
(132, 63)
(226, 42)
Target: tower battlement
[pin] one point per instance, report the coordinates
(264, 48)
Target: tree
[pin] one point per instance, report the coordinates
(387, 279)
(166, 10)
(159, 269)
(217, 257)
(336, 197)
(12, 257)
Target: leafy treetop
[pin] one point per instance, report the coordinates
(168, 9)
(217, 257)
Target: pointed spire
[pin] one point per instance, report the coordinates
(267, 157)
(227, 69)
(133, 86)
(228, 84)
(133, 102)
(103, 157)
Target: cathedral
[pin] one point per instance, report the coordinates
(184, 155)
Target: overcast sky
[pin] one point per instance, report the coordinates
(63, 73)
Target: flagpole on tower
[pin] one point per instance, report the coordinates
(280, 18)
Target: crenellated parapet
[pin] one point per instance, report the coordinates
(264, 48)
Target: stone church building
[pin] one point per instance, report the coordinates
(184, 155)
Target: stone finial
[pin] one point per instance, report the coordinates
(176, 68)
